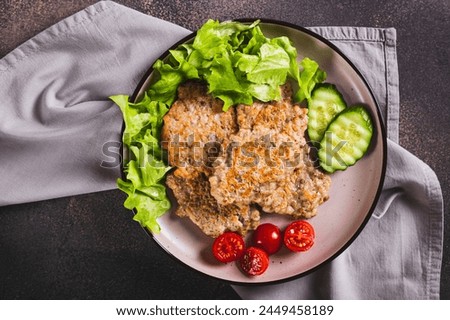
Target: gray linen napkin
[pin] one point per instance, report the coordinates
(55, 116)
(56, 126)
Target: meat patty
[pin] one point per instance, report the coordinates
(266, 150)
(192, 191)
(195, 128)
(298, 194)
(194, 134)
(269, 164)
(231, 162)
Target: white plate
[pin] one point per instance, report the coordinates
(353, 192)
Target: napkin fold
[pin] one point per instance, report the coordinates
(59, 136)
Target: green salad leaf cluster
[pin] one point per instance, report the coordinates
(145, 168)
(238, 63)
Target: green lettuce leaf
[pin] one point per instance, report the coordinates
(238, 63)
(215, 37)
(171, 76)
(272, 67)
(144, 169)
(309, 77)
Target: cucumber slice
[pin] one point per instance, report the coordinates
(346, 139)
(325, 103)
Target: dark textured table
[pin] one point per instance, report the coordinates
(87, 247)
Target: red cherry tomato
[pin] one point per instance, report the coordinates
(228, 247)
(267, 236)
(299, 236)
(255, 261)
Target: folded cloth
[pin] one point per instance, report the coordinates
(59, 133)
(57, 125)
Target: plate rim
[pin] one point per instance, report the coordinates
(330, 44)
